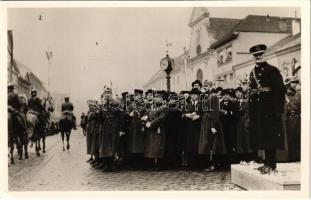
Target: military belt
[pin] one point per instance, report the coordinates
(260, 90)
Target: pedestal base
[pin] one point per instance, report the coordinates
(287, 177)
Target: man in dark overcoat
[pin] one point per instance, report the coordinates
(228, 123)
(173, 129)
(266, 105)
(192, 115)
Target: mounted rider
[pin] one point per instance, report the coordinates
(67, 109)
(35, 107)
(35, 103)
(14, 105)
(14, 108)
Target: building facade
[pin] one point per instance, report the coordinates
(219, 49)
(198, 61)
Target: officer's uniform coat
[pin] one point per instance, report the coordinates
(228, 124)
(242, 126)
(90, 129)
(265, 108)
(110, 130)
(35, 104)
(155, 135)
(137, 130)
(173, 131)
(192, 128)
(210, 143)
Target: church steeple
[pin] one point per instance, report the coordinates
(199, 22)
(198, 13)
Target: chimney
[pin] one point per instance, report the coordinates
(295, 26)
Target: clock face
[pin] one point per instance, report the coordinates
(164, 63)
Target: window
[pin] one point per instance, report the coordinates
(220, 57)
(200, 75)
(199, 50)
(229, 53)
(224, 55)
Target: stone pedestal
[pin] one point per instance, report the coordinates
(287, 177)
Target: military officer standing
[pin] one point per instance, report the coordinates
(266, 105)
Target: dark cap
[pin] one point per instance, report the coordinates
(10, 86)
(196, 82)
(238, 89)
(185, 92)
(149, 91)
(226, 91)
(219, 89)
(172, 95)
(161, 93)
(258, 49)
(137, 91)
(124, 94)
(195, 91)
(291, 79)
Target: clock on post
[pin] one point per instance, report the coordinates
(167, 65)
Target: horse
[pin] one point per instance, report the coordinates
(16, 130)
(35, 126)
(47, 109)
(65, 126)
(37, 123)
(24, 138)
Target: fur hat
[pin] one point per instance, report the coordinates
(196, 82)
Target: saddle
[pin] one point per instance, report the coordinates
(67, 115)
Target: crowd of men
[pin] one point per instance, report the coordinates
(204, 128)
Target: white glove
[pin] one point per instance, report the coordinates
(148, 124)
(132, 114)
(214, 130)
(195, 117)
(188, 115)
(144, 118)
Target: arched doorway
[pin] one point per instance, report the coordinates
(200, 75)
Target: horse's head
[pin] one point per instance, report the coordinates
(48, 105)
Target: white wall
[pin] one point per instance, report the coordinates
(246, 40)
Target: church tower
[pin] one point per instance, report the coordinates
(199, 23)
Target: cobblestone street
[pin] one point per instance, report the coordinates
(58, 170)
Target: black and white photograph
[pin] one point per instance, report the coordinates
(156, 98)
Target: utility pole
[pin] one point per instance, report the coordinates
(49, 55)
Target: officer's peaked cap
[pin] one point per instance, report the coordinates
(258, 49)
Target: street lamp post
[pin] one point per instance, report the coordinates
(167, 65)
